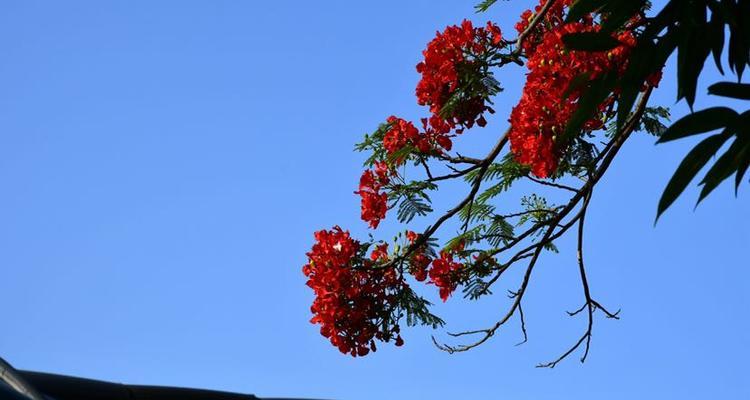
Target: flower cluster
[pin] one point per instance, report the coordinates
(419, 260)
(402, 133)
(374, 202)
(446, 274)
(352, 298)
(545, 108)
(554, 17)
(454, 61)
(360, 296)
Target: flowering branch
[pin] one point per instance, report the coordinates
(584, 193)
(363, 290)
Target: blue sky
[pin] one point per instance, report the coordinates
(164, 164)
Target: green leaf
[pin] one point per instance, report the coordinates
(699, 122)
(484, 6)
(411, 205)
(730, 89)
(417, 310)
(590, 41)
(499, 231)
(651, 120)
(474, 212)
(689, 167)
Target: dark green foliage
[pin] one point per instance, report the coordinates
(373, 143)
(476, 212)
(651, 121)
(582, 7)
(695, 29)
(417, 310)
(499, 231)
(578, 160)
(734, 161)
(689, 167)
(475, 288)
(411, 206)
(477, 82)
(506, 171)
(412, 199)
(726, 165)
(730, 89)
(590, 41)
(484, 5)
(699, 122)
(578, 82)
(536, 208)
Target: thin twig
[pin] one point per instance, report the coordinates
(551, 184)
(422, 239)
(456, 174)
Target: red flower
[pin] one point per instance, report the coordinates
(351, 299)
(374, 202)
(418, 261)
(495, 33)
(451, 59)
(380, 253)
(402, 133)
(445, 274)
(544, 109)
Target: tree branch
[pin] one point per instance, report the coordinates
(584, 193)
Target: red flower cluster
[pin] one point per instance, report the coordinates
(449, 60)
(351, 299)
(401, 133)
(543, 110)
(554, 17)
(418, 261)
(445, 274)
(374, 202)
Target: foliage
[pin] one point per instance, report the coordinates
(695, 29)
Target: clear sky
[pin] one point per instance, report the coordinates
(163, 166)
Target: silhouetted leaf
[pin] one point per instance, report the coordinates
(410, 207)
(590, 41)
(744, 165)
(689, 167)
(716, 37)
(699, 122)
(725, 166)
(588, 105)
(694, 47)
(731, 89)
(577, 82)
(582, 7)
(618, 12)
(647, 58)
(738, 40)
